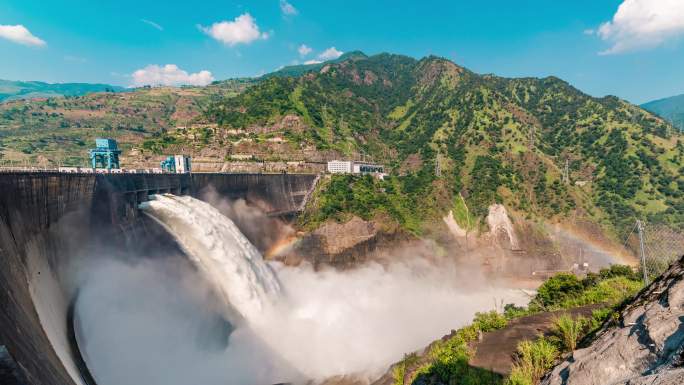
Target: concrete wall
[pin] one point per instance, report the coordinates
(47, 223)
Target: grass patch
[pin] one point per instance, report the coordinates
(568, 330)
(533, 360)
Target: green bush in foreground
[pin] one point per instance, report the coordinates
(564, 291)
(447, 360)
(610, 291)
(533, 360)
(558, 289)
(567, 331)
(489, 321)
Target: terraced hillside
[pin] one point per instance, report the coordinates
(60, 130)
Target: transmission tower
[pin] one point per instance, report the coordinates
(642, 253)
(531, 139)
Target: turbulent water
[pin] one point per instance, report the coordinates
(218, 248)
(287, 324)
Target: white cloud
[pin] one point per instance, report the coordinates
(330, 53)
(152, 24)
(242, 30)
(19, 34)
(287, 8)
(304, 50)
(312, 62)
(169, 75)
(641, 24)
(589, 31)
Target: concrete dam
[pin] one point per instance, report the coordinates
(51, 222)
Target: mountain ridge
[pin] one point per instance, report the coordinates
(670, 108)
(11, 90)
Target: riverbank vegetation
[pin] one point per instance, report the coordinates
(446, 361)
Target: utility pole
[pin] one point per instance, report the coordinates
(531, 139)
(438, 167)
(640, 227)
(566, 172)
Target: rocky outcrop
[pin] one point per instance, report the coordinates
(646, 345)
(501, 228)
(349, 244)
(339, 237)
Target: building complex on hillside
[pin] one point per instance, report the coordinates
(354, 167)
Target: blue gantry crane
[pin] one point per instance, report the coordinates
(105, 154)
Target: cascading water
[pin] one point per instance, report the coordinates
(330, 322)
(220, 251)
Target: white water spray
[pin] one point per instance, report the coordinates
(220, 251)
(330, 322)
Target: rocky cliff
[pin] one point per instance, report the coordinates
(644, 346)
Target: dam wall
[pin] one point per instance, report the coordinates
(51, 222)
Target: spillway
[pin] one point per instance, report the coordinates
(220, 251)
(52, 224)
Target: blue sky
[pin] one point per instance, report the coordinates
(637, 55)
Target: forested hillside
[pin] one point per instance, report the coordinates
(494, 139)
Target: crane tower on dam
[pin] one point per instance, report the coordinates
(105, 154)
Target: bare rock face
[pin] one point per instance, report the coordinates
(501, 228)
(646, 347)
(341, 236)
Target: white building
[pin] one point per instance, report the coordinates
(352, 167)
(182, 163)
(340, 167)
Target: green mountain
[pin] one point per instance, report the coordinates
(443, 131)
(301, 69)
(446, 131)
(671, 108)
(12, 90)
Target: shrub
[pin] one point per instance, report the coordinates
(399, 370)
(489, 321)
(533, 360)
(599, 316)
(567, 331)
(511, 311)
(619, 271)
(612, 290)
(558, 289)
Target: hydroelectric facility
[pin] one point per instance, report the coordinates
(53, 221)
